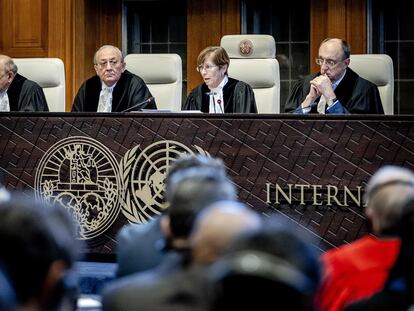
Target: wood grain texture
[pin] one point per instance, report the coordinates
(25, 30)
(73, 30)
(344, 19)
(207, 22)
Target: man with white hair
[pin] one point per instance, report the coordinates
(359, 269)
(113, 88)
(18, 93)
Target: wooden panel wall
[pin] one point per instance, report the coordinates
(24, 32)
(73, 29)
(38, 28)
(96, 22)
(344, 19)
(207, 22)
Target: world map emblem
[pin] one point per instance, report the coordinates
(82, 175)
(144, 177)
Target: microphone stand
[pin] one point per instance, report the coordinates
(139, 104)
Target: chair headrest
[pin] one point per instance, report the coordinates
(155, 68)
(47, 72)
(249, 46)
(377, 68)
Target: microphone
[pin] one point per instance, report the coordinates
(139, 104)
(211, 93)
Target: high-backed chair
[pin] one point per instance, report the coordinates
(49, 73)
(163, 75)
(252, 60)
(377, 68)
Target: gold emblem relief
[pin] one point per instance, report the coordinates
(144, 175)
(245, 48)
(83, 175)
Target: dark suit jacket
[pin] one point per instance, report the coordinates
(139, 247)
(174, 288)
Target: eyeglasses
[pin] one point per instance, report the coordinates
(329, 62)
(104, 64)
(205, 67)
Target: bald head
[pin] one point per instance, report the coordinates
(388, 190)
(217, 225)
(8, 70)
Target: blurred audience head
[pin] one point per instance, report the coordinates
(38, 250)
(273, 267)
(386, 193)
(217, 225)
(187, 161)
(404, 264)
(188, 191)
(4, 193)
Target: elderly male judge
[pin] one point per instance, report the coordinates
(18, 93)
(336, 88)
(113, 88)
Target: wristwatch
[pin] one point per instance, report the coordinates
(332, 102)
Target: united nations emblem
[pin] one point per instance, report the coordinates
(82, 175)
(144, 176)
(245, 48)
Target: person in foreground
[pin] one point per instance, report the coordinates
(336, 89)
(273, 267)
(152, 289)
(140, 246)
(113, 89)
(18, 93)
(37, 254)
(398, 291)
(219, 93)
(359, 269)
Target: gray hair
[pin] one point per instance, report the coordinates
(121, 56)
(191, 191)
(388, 190)
(9, 64)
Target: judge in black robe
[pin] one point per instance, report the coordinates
(130, 92)
(236, 96)
(22, 93)
(357, 95)
(26, 95)
(351, 94)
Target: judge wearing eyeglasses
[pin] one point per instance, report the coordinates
(219, 93)
(336, 88)
(113, 88)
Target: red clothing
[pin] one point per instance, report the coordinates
(356, 270)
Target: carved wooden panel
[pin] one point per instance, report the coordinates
(25, 28)
(345, 19)
(311, 170)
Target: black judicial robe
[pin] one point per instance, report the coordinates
(238, 97)
(26, 95)
(130, 90)
(357, 95)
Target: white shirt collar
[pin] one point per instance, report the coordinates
(335, 84)
(111, 88)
